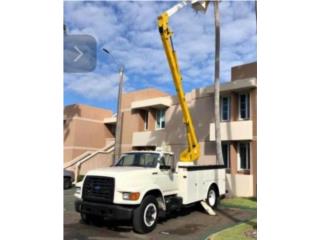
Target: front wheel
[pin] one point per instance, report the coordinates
(145, 216)
(86, 218)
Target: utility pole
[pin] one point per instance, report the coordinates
(119, 118)
(118, 137)
(217, 83)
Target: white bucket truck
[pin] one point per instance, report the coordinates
(144, 185)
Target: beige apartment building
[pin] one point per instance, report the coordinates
(88, 142)
(152, 119)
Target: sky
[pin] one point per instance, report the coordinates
(129, 31)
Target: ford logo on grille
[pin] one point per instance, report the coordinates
(97, 188)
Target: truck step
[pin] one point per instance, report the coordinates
(173, 203)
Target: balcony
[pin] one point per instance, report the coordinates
(157, 103)
(110, 120)
(236, 130)
(148, 138)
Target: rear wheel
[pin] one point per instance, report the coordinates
(213, 197)
(145, 216)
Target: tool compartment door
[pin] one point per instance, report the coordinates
(188, 185)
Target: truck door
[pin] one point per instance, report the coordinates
(166, 178)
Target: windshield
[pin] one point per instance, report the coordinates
(138, 160)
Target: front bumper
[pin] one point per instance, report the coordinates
(107, 211)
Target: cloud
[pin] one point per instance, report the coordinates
(93, 86)
(129, 31)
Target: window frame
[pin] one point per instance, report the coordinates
(146, 119)
(248, 157)
(221, 108)
(228, 162)
(162, 116)
(247, 104)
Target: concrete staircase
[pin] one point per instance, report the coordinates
(91, 160)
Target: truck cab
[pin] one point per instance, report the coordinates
(144, 185)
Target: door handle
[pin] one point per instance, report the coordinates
(154, 173)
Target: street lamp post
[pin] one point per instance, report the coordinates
(118, 136)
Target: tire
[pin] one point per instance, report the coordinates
(86, 218)
(213, 197)
(67, 183)
(146, 215)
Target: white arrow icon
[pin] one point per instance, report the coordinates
(80, 54)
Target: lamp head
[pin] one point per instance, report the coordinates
(200, 6)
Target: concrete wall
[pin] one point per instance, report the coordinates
(133, 120)
(244, 71)
(147, 93)
(85, 111)
(84, 130)
(240, 185)
(253, 97)
(201, 108)
(100, 160)
(233, 131)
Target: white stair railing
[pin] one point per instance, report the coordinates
(77, 159)
(78, 164)
(86, 156)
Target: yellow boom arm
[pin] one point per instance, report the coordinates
(192, 152)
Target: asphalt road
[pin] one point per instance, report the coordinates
(189, 224)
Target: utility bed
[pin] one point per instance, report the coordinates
(194, 181)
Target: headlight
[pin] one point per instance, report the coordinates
(78, 190)
(130, 196)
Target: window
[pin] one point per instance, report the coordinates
(137, 159)
(226, 154)
(225, 108)
(244, 106)
(166, 162)
(244, 156)
(126, 160)
(160, 119)
(146, 116)
(168, 159)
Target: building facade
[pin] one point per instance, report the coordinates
(84, 130)
(151, 119)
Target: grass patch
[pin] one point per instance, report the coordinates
(250, 203)
(243, 231)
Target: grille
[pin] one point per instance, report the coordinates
(98, 189)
